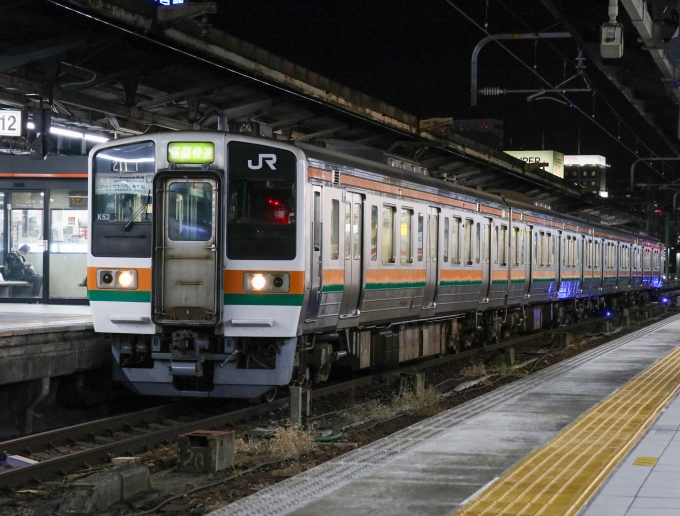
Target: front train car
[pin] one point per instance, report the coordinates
(196, 263)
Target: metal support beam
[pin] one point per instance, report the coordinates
(496, 37)
(321, 134)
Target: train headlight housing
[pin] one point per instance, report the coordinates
(266, 282)
(117, 278)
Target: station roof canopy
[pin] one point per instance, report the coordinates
(117, 68)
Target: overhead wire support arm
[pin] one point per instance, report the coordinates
(495, 37)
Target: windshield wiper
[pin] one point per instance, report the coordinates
(131, 220)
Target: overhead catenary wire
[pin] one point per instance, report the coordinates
(545, 81)
(615, 112)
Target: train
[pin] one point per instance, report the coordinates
(226, 265)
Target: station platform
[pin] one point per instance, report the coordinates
(582, 437)
(38, 345)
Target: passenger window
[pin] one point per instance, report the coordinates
(406, 242)
(514, 246)
(348, 230)
(502, 245)
(467, 243)
(446, 239)
(356, 231)
(317, 221)
(419, 249)
(552, 249)
(335, 229)
(455, 241)
(388, 234)
(374, 233)
(433, 236)
(541, 250)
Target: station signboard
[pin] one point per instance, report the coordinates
(554, 159)
(10, 122)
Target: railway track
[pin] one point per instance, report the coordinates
(129, 433)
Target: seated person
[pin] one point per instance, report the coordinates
(21, 270)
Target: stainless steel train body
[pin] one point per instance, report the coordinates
(225, 265)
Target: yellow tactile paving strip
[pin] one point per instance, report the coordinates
(561, 476)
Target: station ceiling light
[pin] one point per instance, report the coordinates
(60, 131)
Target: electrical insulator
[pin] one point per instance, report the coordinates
(492, 91)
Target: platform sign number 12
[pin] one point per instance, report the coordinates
(10, 123)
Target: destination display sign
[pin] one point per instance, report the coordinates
(191, 153)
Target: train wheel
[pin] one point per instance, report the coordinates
(269, 396)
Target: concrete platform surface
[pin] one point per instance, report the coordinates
(438, 465)
(647, 482)
(18, 319)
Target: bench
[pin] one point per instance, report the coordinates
(6, 285)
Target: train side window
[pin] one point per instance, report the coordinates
(374, 233)
(597, 254)
(348, 230)
(455, 241)
(521, 249)
(357, 225)
(317, 221)
(419, 249)
(446, 240)
(541, 246)
(515, 246)
(485, 253)
(335, 229)
(477, 242)
(495, 244)
(406, 242)
(538, 240)
(553, 241)
(433, 236)
(467, 243)
(388, 234)
(502, 245)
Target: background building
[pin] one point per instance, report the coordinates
(554, 159)
(587, 171)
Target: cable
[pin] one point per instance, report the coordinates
(549, 44)
(545, 81)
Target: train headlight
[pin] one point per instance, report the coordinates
(127, 279)
(258, 282)
(266, 282)
(116, 278)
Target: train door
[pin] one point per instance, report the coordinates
(485, 251)
(186, 257)
(431, 258)
(531, 259)
(315, 231)
(353, 209)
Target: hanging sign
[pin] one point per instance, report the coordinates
(10, 122)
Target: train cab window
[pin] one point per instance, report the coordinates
(419, 248)
(122, 182)
(467, 243)
(455, 241)
(446, 240)
(388, 234)
(406, 240)
(502, 245)
(432, 237)
(348, 230)
(335, 229)
(374, 233)
(357, 226)
(261, 204)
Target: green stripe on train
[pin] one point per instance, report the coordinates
(382, 286)
(264, 299)
(459, 283)
(502, 281)
(333, 288)
(130, 296)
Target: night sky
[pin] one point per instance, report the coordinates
(416, 56)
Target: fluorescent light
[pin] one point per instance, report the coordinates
(126, 160)
(65, 132)
(30, 125)
(93, 138)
